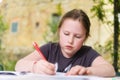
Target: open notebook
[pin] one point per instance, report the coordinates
(11, 75)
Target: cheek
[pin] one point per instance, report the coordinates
(79, 43)
(62, 38)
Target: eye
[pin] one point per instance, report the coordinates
(78, 36)
(66, 33)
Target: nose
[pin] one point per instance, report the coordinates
(71, 39)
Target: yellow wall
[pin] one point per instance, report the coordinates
(28, 12)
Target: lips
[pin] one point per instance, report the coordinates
(69, 47)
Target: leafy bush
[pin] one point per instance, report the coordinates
(107, 51)
(8, 60)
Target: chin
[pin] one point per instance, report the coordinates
(68, 52)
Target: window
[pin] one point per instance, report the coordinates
(14, 27)
(55, 17)
(37, 24)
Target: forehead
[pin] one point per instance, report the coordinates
(73, 25)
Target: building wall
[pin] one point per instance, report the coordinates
(32, 17)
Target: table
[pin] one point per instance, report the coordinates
(11, 75)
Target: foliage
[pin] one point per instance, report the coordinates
(99, 10)
(53, 25)
(101, 14)
(3, 28)
(8, 60)
(107, 51)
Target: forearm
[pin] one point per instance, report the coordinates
(103, 70)
(24, 65)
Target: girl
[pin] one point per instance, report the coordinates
(69, 52)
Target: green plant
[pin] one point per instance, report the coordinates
(8, 60)
(3, 28)
(53, 25)
(101, 12)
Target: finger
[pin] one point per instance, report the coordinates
(48, 71)
(73, 71)
(82, 71)
(48, 65)
(88, 72)
(45, 67)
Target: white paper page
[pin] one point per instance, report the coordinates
(31, 76)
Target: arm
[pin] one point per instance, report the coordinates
(33, 63)
(99, 67)
(26, 63)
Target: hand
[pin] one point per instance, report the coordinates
(44, 67)
(78, 70)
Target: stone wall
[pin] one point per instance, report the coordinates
(32, 17)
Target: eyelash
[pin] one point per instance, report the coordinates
(66, 33)
(75, 36)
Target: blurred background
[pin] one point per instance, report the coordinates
(24, 21)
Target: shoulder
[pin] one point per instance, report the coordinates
(50, 50)
(89, 52)
(84, 48)
(49, 47)
(88, 49)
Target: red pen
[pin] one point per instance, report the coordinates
(38, 50)
(42, 56)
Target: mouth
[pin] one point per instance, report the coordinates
(69, 47)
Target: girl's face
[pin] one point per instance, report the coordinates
(72, 35)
